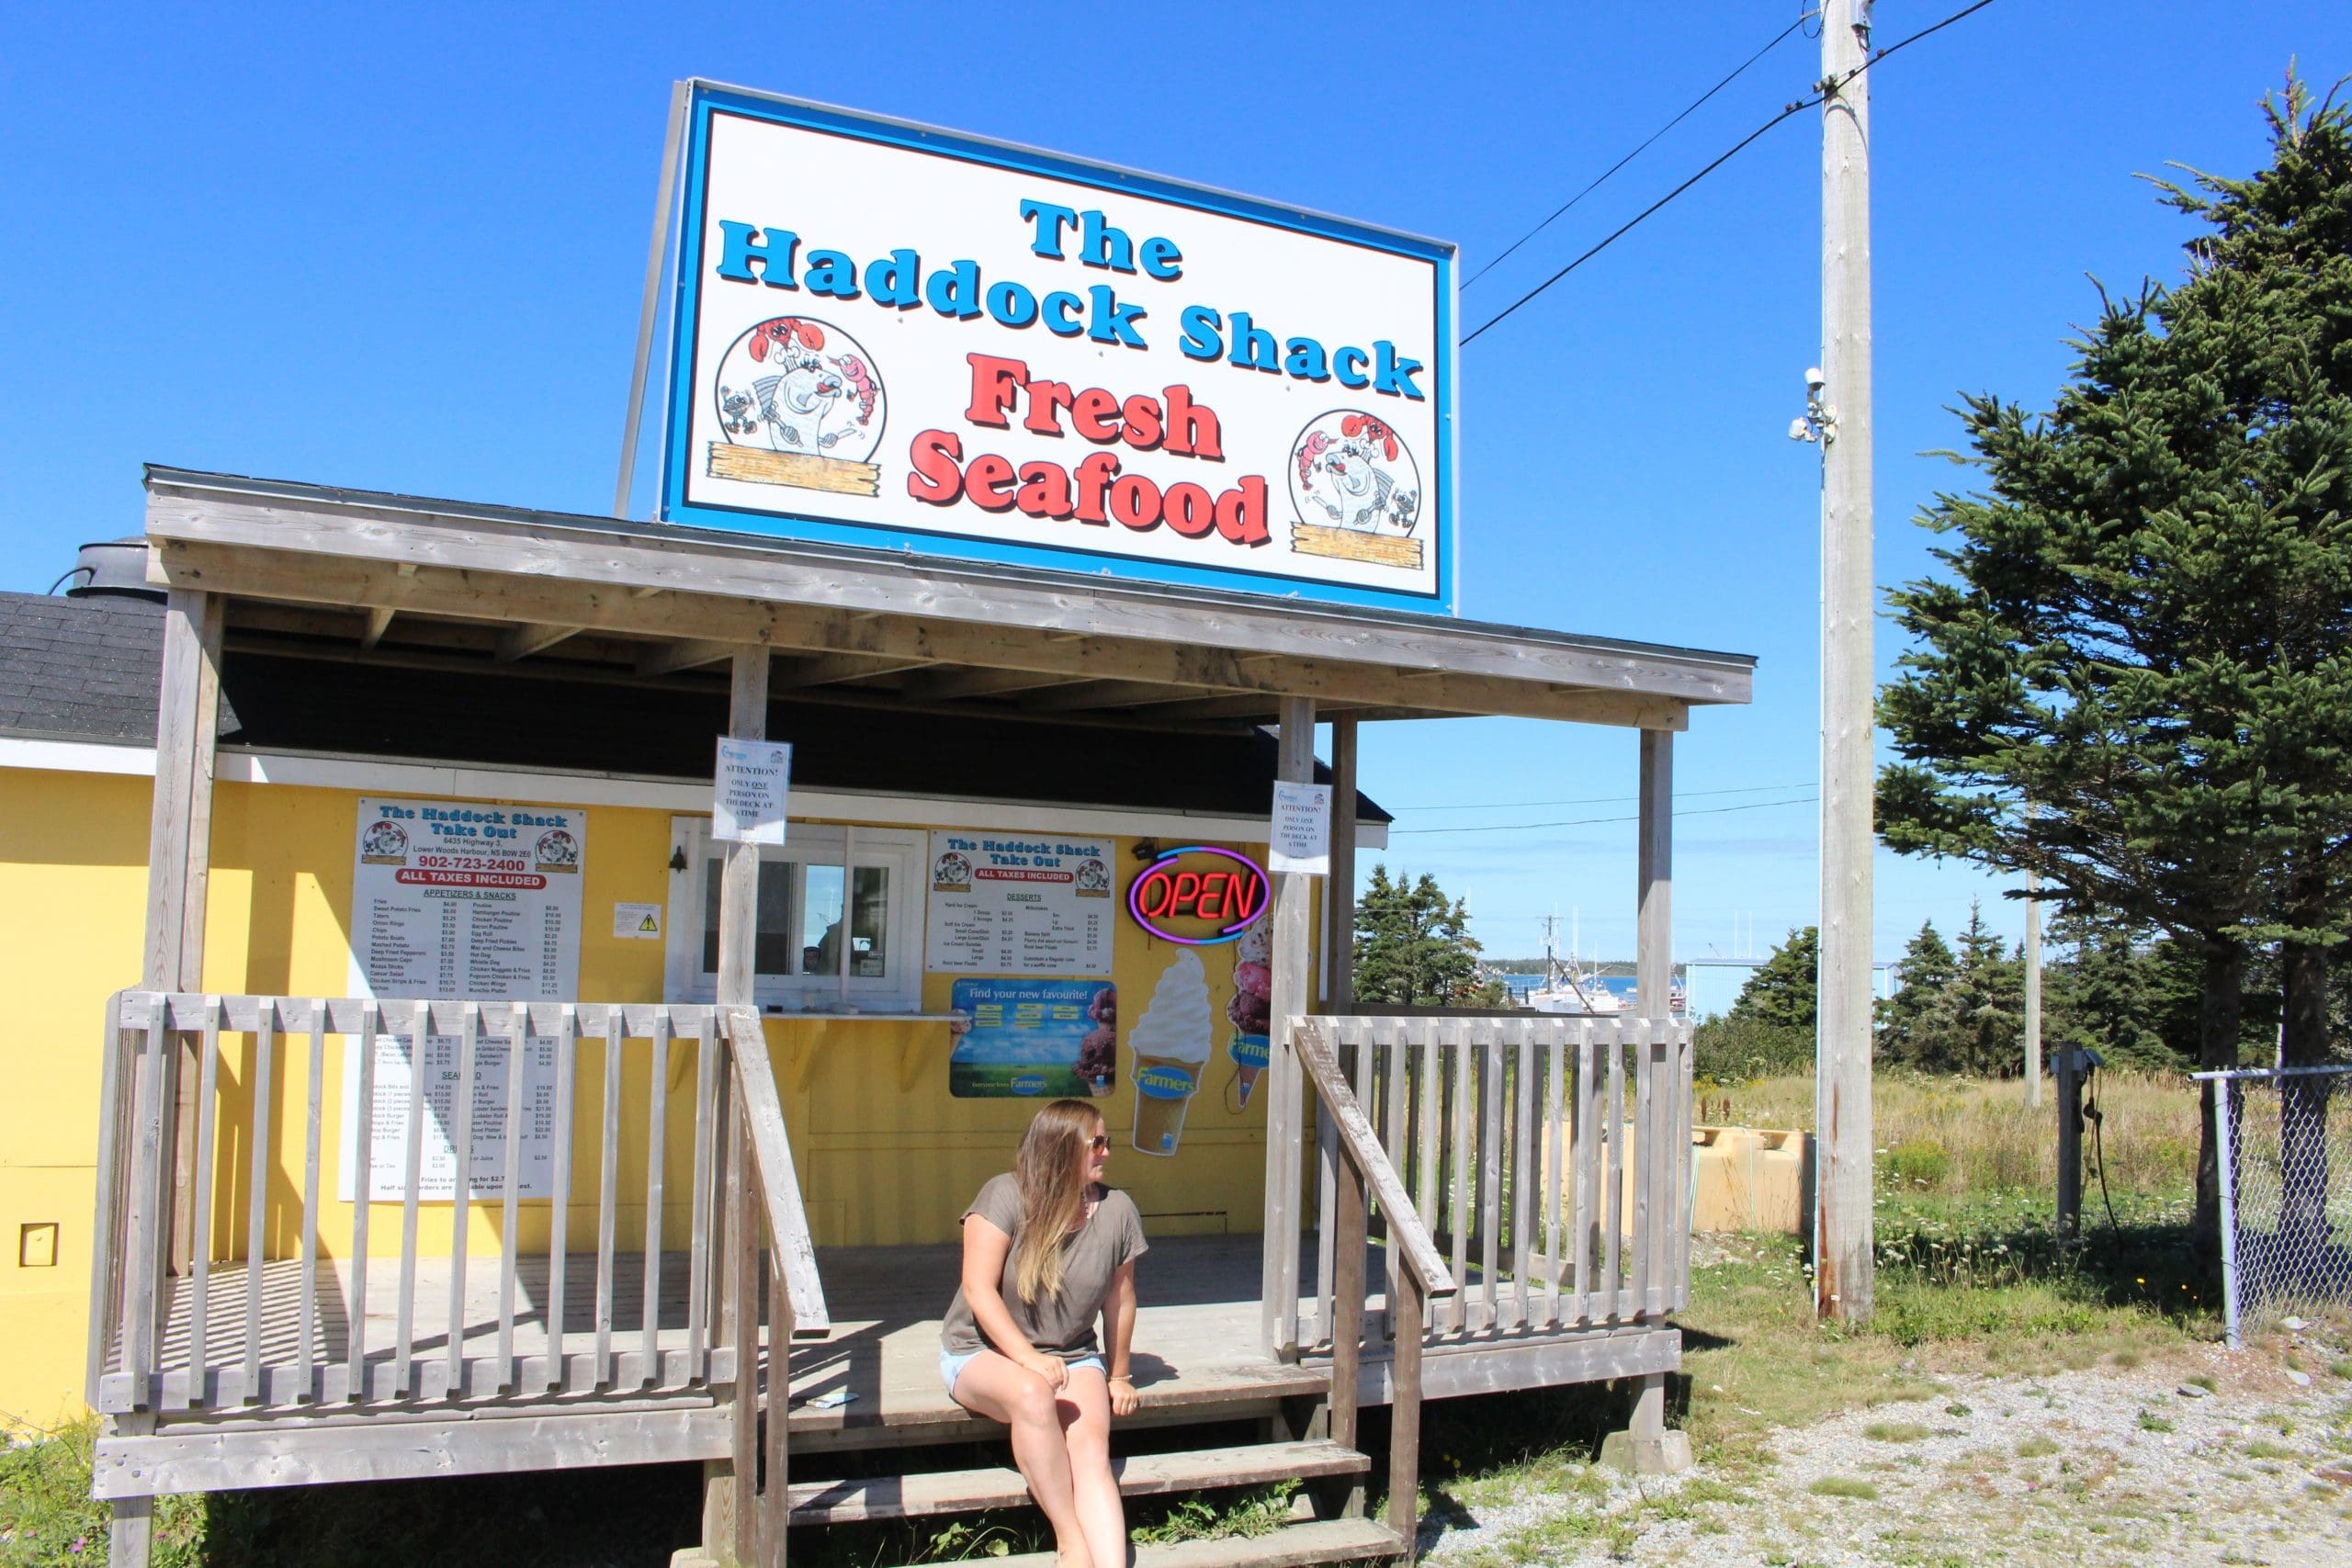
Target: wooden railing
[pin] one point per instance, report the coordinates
(768, 1197)
(244, 1322)
(1548, 1156)
(1363, 1169)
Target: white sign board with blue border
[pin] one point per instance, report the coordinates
(903, 338)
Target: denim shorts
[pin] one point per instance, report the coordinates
(952, 1364)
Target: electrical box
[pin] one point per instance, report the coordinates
(36, 1245)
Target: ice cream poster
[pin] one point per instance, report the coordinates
(1033, 1039)
(1250, 1010)
(1169, 1053)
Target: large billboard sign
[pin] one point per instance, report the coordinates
(897, 337)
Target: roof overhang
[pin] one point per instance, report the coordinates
(401, 578)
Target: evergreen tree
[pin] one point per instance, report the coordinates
(1927, 967)
(1975, 1022)
(1413, 945)
(2135, 680)
(2119, 991)
(1786, 991)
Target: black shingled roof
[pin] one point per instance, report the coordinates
(87, 670)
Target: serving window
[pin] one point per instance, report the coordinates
(838, 918)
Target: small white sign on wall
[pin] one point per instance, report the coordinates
(637, 922)
(1301, 840)
(752, 785)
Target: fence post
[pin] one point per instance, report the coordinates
(2225, 1094)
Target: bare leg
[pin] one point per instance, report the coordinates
(1086, 1434)
(991, 1385)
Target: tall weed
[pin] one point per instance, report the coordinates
(1987, 1139)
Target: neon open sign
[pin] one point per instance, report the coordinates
(1228, 897)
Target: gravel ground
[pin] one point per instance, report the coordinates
(2097, 1467)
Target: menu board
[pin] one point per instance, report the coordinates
(458, 900)
(1019, 904)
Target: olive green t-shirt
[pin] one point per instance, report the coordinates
(1061, 1324)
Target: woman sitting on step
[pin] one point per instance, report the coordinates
(1048, 1248)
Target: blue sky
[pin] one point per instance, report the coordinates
(402, 248)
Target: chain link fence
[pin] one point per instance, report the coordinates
(2284, 1135)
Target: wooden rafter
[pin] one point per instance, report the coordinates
(686, 653)
(522, 641)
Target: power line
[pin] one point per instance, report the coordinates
(1631, 224)
(1606, 799)
(1737, 148)
(1589, 821)
(1602, 177)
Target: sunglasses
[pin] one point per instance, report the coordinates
(1100, 1142)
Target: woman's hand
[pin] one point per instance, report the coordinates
(1052, 1368)
(1123, 1395)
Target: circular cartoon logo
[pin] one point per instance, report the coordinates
(951, 873)
(1093, 878)
(794, 385)
(384, 843)
(556, 851)
(1355, 491)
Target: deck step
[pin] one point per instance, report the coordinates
(1293, 1546)
(1140, 1476)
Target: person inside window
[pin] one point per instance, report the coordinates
(1047, 1250)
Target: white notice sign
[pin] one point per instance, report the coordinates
(753, 781)
(1019, 904)
(438, 1162)
(454, 898)
(1302, 828)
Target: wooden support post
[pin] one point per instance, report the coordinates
(1286, 1112)
(1340, 888)
(1646, 1448)
(1347, 1222)
(1405, 1413)
(180, 842)
(1338, 977)
(179, 864)
(2068, 1061)
(727, 1524)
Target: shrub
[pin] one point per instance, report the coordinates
(1734, 1049)
(1917, 1162)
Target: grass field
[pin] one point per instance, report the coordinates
(1962, 1135)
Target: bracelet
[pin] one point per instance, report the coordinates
(1121, 1377)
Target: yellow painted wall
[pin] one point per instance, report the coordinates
(886, 1156)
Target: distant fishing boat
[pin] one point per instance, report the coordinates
(1568, 989)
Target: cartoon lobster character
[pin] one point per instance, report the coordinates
(1341, 476)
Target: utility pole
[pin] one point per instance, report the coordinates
(2033, 993)
(1842, 1233)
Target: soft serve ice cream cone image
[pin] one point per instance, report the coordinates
(1171, 1050)
(1253, 992)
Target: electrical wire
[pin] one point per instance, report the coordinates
(2098, 1119)
(1602, 177)
(1819, 96)
(1589, 821)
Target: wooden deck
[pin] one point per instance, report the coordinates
(1196, 1353)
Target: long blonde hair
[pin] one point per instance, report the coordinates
(1050, 1171)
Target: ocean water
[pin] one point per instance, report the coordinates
(1520, 985)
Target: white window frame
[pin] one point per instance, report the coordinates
(900, 851)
